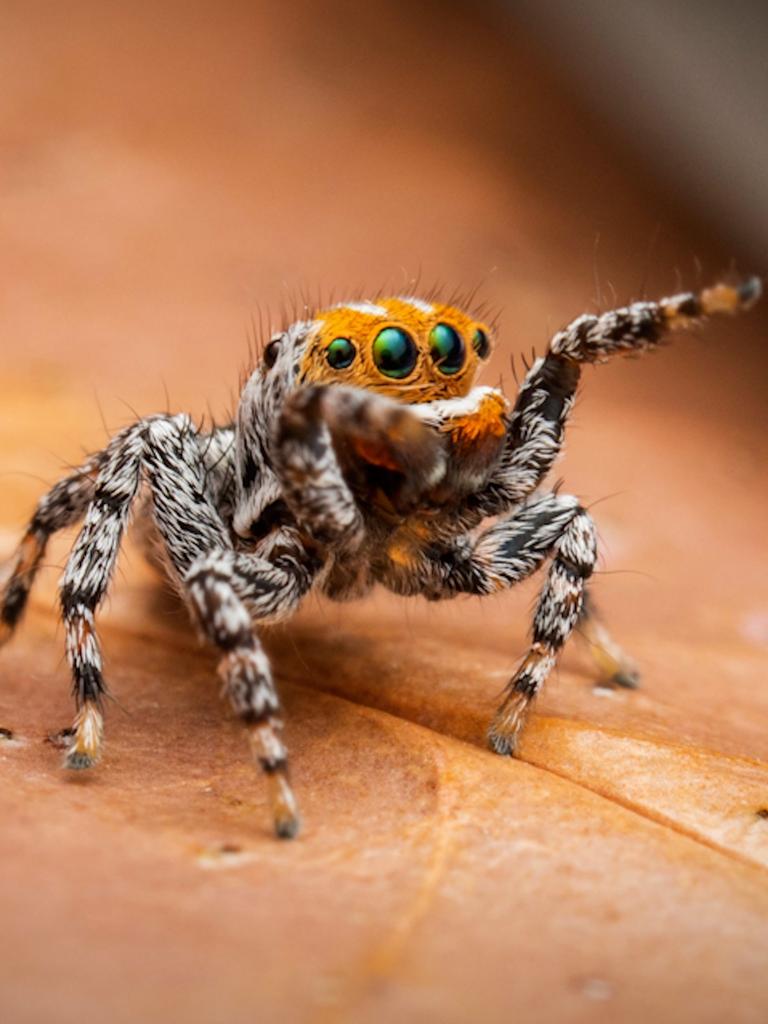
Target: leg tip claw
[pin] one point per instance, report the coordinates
(500, 744)
(77, 761)
(84, 747)
(287, 828)
(627, 678)
(749, 291)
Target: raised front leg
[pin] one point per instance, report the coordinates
(538, 420)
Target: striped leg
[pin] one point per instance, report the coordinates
(557, 613)
(85, 581)
(537, 423)
(64, 505)
(509, 551)
(226, 591)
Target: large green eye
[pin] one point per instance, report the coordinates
(446, 348)
(394, 352)
(340, 353)
(481, 344)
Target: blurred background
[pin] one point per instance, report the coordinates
(178, 177)
(168, 170)
(682, 86)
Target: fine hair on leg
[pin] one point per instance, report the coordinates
(226, 590)
(63, 505)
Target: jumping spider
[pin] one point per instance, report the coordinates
(360, 454)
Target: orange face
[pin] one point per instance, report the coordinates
(409, 349)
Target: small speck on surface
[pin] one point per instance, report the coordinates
(5, 734)
(754, 627)
(229, 849)
(762, 813)
(597, 989)
(223, 855)
(609, 692)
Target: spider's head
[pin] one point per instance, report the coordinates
(406, 348)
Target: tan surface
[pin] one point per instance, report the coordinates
(164, 175)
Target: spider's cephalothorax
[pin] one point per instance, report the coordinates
(405, 348)
(361, 454)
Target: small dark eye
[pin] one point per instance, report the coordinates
(446, 348)
(340, 353)
(394, 352)
(271, 353)
(481, 344)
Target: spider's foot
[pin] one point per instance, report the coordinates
(616, 669)
(285, 810)
(84, 749)
(271, 754)
(500, 744)
(507, 724)
(628, 677)
(730, 298)
(614, 666)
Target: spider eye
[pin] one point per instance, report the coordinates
(481, 344)
(394, 352)
(271, 352)
(446, 348)
(340, 353)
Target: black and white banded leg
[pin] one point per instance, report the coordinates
(227, 591)
(85, 581)
(64, 505)
(168, 452)
(540, 414)
(551, 525)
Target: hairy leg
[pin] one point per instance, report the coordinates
(85, 581)
(550, 525)
(537, 423)
(64, 505)
(226, 591)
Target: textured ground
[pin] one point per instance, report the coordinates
(164, 177)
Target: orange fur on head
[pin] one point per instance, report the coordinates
(361, 322)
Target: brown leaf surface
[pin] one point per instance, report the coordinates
(166, 173)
